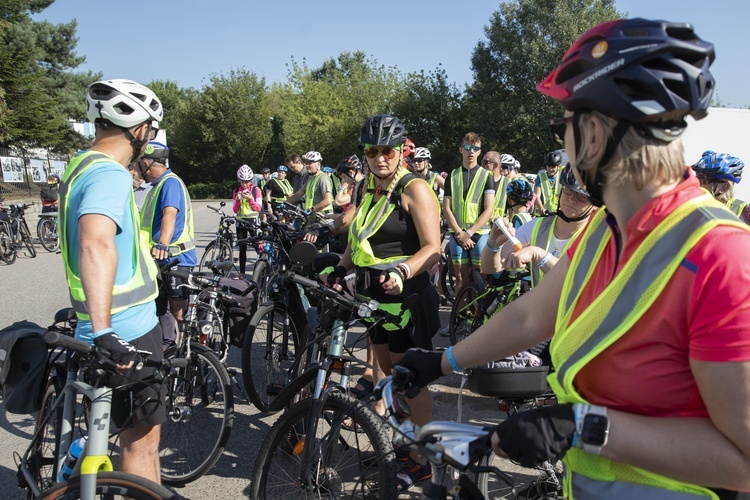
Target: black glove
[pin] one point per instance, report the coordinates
(425, 367)
(531, 437)
(337, 276)
(121, 352)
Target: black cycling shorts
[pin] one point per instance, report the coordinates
(136, 399)
(174, 290)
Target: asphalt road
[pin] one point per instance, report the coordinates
(34, 289)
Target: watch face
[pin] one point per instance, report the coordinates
(594, 430)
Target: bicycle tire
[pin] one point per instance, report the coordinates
(8, 251)
(262, 278)
(26, 237)
(219, 250)
(355, 461)
(109, 484)
(448, 279)
(464, 312)
(200, 415)
(45, 227)
(44, 454)
(264, 371)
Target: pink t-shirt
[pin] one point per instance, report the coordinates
(703, 314)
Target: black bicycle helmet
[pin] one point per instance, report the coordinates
(348, 163)
(652, 73)
(520, 190)
(156, 151)
(383, 130)
(568, 180)
(553, 159)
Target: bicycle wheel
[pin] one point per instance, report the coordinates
(111, 485)
(267, 359)
(46, 229)
(350, 461)
(200, 413)
(448, 279)
(546, 485)
(26, 237)
(464, 312)
(46, 432)
(8, 251)
(219, 250)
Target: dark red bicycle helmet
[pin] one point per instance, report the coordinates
(639, 71)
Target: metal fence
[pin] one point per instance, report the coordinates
(24, 171)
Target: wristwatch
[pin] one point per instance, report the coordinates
(592, 427)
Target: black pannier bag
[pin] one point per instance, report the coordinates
(23, 363)
(245, 291)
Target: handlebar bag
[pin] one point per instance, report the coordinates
(23, 366)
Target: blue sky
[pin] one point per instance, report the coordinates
(189, 40)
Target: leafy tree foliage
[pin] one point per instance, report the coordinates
(525, 40)
(433, 112)
(38, 93)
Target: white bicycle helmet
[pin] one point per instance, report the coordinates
(245, 173)
(508, 160)
(312, 156)
(517, 165)
(123, 103)
(422, 153)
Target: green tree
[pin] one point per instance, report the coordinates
(433, 112)
(526, 39)
(39, 94)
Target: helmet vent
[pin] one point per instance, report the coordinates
(123, 108)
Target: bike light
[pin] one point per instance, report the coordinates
(206, 327)
(364, 311)
(373, 305)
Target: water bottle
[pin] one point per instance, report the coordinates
(72, 457)
(493, 306)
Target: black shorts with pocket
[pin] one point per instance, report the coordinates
(136, 398)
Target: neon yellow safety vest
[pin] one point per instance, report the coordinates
(141, 287)
(521, 217)
(466, 211)
(286, 188)
(736, 206)
(550, 195)
(366, 223)
(501, 197)
(186, 241)
(541, 236)
(609, 317)
(310, 188)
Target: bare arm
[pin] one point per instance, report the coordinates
(538, 199)
(326, 202)
(713, 452)
(295, 197)
(97, 263)
(169, 217)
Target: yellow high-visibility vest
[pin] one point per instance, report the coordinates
(186, 241)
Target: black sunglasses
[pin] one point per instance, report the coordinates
(557, 128)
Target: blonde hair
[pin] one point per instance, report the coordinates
(637, 161)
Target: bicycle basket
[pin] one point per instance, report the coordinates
(23, 362)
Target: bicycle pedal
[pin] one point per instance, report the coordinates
(232, 372)
(274, 389)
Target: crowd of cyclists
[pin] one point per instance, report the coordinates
(639, 306)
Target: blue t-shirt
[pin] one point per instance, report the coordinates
(106, 189)
(172, 195)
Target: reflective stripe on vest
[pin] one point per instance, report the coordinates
(285, 187)
(186, 241)
(466, 210)
(141, 287)
(541, 236)
(736, 206)
(610, 316)
(501, 197)
(310, 188)
(549, 195)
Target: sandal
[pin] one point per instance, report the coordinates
(367, 388)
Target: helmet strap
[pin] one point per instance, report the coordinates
(564, 217)
(137, 144)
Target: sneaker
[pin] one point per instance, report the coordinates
(411, 473)
(444, 331)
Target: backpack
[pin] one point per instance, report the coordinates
(23, 366)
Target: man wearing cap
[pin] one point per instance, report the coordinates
(318, 192)
(277, 190)
(167, 216)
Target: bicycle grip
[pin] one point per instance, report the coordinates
(54, 338)
(179, 273)
(306, 282)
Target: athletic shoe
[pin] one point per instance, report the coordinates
(444, 331)
(411, 473)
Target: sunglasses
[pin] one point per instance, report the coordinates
(419, 160)
(557, 128)
(582, 198)
(469, 147)
(489, 162)
(387, 151)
